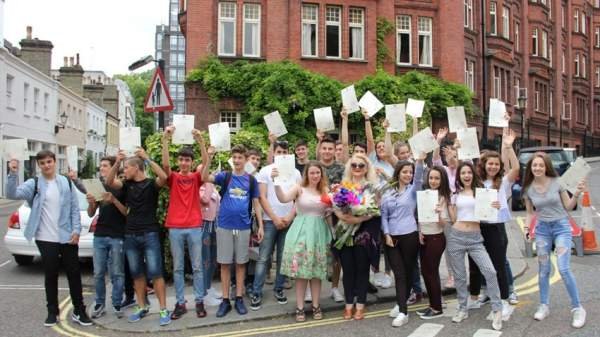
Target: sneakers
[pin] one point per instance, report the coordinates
(542, 312)
(51, 320)
(128, 302)
(180, 310)
(337, 295)
(307, 296)
(211, 301)
(497, 320)
(224, 308)
(165, 317)
(280, 297)
(386, 281)
(460, 316)
(483, 299)
(414, 298)
(118, 312)
(138, 314)
(578, 317)
(98, 310)
(473, 304)
(507, 310)
(80, 316)
(215, 293)
(395, 311)
(255, 302)
(430, 314)
(200, 311)
(513, 299)
(240, 307)
(400, 320)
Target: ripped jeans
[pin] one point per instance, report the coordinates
(559, 233)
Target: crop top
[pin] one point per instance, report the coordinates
(465, 207)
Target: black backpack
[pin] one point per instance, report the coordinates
(35, 188)
(225, 186)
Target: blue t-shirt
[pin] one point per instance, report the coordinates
(233, 213)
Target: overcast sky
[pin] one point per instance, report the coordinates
(108, 34)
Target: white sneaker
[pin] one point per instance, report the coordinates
(395, 311)
(307, 295)
(386, 281)
(542, 312)
(460, 316)
(578, 317)
(378, 279)
(400, 320)
(507, 310)
(497, 320)
(337, 295)
(215, 293)
(513, 299)
(473, 304)
(210, 301)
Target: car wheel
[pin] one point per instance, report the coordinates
(23, 260)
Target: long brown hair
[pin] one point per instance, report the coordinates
(476, 182)
(487, 155)
(550, 172)
(444, 189)
(323, 185)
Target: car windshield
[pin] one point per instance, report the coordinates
(557, 157)
(571, 155)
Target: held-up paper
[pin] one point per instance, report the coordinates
(497, 114)
(578, 171)
(94, 187)
(395, 114)
(349, 99)
(129, 139)
(248, 167)
(370, 103)
(469, 145)
(422, 142)
(73, 157)
(184, 124)
(220, 137)
(426, 203)
(456, 118)
(286, 164)
(415, 108)
(15, 149)
(483, 204)
(275, 124)
(324, 119)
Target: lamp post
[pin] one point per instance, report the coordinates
(522, 104)
(63, 122)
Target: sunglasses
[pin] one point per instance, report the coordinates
(282, 143)
(358, 165)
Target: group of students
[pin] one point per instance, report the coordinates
(217, 216)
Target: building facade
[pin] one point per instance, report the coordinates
(95, 146)
(126, 105)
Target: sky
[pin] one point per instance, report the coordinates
(109, 35)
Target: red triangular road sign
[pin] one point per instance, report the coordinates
(158, 97)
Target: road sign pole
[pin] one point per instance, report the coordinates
(161, 114)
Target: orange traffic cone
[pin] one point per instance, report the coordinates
(590, 246)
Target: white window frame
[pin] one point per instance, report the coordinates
(361, 27)
(551, 104)
(497, 83)
(597, 76)
(597, 36)
(46, 101)
(577, 73)
(583, 66)
(535, 42)
(563, 61)
(10, 82)
(517, 91)
(563, 17)
(544, 44)
(26, 98)
(36, 100)
(550, 54)
(403, 30)
(222, 20)
(537, 100)
(230, 117)
(468, 13)
(314, 22)
(252, 21)
(506, 22)
(583, 23)
(429, 34)
(338, 24)
(576, 21)
(517, 37)
(493, 19)
(469, 75)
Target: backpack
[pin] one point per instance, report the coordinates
(225, 186)
(35, 188)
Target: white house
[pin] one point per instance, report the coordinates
(126, 105)
(95, 145)
(75, 130)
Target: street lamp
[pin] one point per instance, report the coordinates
(522, 105)
(63, 122)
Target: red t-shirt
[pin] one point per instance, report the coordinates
(184, 202)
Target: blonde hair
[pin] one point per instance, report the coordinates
(370, 176)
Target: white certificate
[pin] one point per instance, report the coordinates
(275, 124)
(286, 165)
(129, 139)
(483, 204)
(248, 167)
(415, 108)
(72, 157)
(395, 114)
(15, 149)
(184, 124)
(370, 103)
(469, 145)
(349, 100)
(422, 142)
(456, 118)
(497, 114)
(324, 119)
(426, 203)
(578, 171)
(94, 187)
(220, 136)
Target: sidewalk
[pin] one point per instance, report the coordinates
(270, 308)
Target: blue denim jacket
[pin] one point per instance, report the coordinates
(69, 222)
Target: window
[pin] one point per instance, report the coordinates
(309, 30)
(506, 23)
(36, 100)
(563, 18)
(583, 24)
(251, 30)
(403, 38)
(551, 103)
(550, 53)
(517, 91)
(173, 42)
(576, 21)
(425, 47)
(517, 38)
(172, 75)
(226, 32)
(468, 14)
(357, 33)
(181, 59)
(233, 118)
(534, 43)
(577, 65)
(46, 100)
(544, 44)
(469, 74)
(333, 41)
(583, 67)
(497, 83)
(25, 97)
(563, 62)
(9, 89)
(597, 37)
(597, 77)
(537, 98)
(493, 21)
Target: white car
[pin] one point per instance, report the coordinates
(24, 251)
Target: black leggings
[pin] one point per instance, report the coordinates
(403, 258)
(495, 242)
(355, 264)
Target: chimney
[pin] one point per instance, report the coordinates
(65, 61)
(71, 63)
(71, 76)
(77, 56)
(37, 53)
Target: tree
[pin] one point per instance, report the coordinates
(138, 85)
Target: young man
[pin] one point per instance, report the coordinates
(254, 158)
(184, 221)
(277, 218)
(301, 151)
(108, 242)
(240, 195)
(54, 223)
(142, 241)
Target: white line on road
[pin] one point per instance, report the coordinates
(5, 263)
(427, 330)
(487, 333)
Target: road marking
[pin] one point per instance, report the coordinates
(427, 330)
(4, 263)
(487, 333)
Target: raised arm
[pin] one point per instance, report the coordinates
(161, 176)
(320, 135)
(415, 126)
(417, 183)
(166, 160)
(111, 179)
(368, 132)
(509, 157)
(437, 159)
(207, 156)
(570, 202)
(344, 135)
(271, 153)
(389, 147)
(15, 191)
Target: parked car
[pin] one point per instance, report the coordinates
(560, 160)
(25, 251)
(571, 154)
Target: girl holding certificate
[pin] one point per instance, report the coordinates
(465, 238)
(542, 190)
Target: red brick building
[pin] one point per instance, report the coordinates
(545, 50)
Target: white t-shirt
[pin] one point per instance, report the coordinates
(504, 193)
(264, 177)
(48, 227)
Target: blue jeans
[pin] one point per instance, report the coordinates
(272, 236)
(109, 256)
(559, 233)
(143, 254)
(509, 277)
(178, 237)
(209, 252)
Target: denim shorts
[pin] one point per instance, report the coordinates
(144, 255)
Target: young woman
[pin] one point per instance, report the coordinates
(400, 230)
(542, 190)
(356, 259)
(433, 242)
(465, 237)
(307, 243)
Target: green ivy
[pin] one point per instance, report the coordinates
(384, 28)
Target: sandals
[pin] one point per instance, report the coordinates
(317, 313)
(300, 315)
